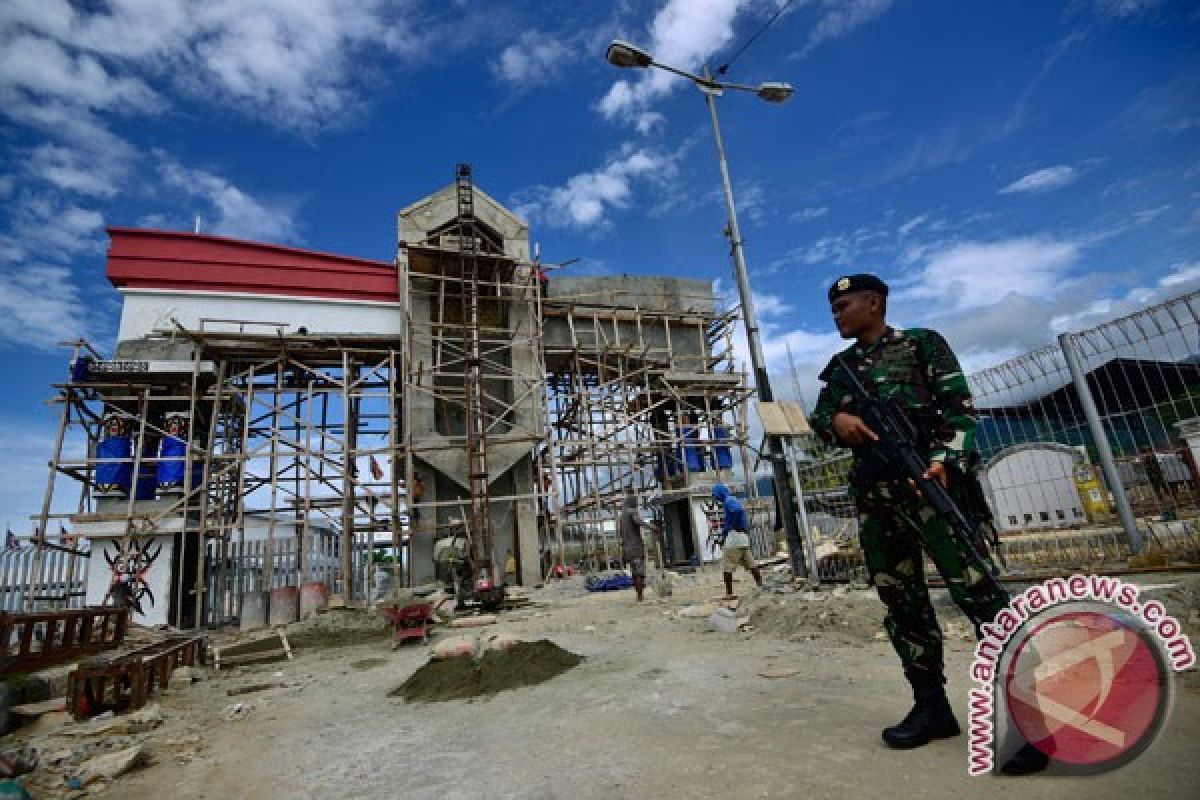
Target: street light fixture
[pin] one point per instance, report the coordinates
(625, 55)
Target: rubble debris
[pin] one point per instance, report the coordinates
(251, 688)
(779, 672)
(723, 620)
(237, 711)
(108, 724)
(474, 622)
(186, 676)
(522, 664)
(46, 723)
(18, 762)
(698, 611)
(110, 766)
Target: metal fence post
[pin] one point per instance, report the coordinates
(814, 573)
(1107, 463)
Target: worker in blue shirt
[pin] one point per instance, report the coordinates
(734, 539)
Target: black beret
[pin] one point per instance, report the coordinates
(856, 283)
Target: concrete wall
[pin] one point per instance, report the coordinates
(645, 292)
(1034, 487)
(147, 310)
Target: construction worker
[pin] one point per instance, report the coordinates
(633, 548)
(734, 539)
(452, 562)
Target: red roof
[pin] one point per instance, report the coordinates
(178, 261)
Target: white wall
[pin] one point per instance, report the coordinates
(1035, 486)
(147, 310)
(158, 577)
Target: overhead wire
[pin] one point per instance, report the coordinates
(724, 68)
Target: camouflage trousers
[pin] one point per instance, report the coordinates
(894, 527)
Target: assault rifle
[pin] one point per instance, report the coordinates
(899, 446)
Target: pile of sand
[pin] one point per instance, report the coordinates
(854, 613)
(522, 664)
(338, 628)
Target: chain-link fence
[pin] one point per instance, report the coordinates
(1089, 451)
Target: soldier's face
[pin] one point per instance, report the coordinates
(852, 313)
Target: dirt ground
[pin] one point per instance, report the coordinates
(659, 707)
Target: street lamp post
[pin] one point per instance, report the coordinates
(623, 54)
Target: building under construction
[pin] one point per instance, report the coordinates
(282, 423)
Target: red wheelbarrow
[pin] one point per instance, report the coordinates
(411, 622)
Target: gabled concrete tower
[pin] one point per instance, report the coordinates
(474, 384)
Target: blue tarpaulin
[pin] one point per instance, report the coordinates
(114, 472)
(722, 453)
(171, 472)
(693, 454)
(608, 583)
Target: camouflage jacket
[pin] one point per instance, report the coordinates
(918, 367)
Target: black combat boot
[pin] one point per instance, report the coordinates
(930, 718)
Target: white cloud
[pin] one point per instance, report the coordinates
(40, 306)
(771, 305)
(38, 67)
(751, 201)
(1124, 8)
(843, 250)
(908, 227)
(1148, 215)
(840, 17)
(231, 210)
(808, 214)
(533, 60)
(975, 275)
(647, 122)
(68, 169)
(585, 200)
(1181, 275)
(683, 34)
(1043, 180)
(292, 64)
(49, 228)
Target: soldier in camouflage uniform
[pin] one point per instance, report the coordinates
(918, 367)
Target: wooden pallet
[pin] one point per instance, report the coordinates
(126, 682)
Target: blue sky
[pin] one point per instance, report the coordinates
(1012, 168)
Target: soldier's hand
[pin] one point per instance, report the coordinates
(851, 430)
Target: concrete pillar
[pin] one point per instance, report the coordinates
(254, 611)
(314, 596)
(421, 544)
(529, 564)
(285, 605)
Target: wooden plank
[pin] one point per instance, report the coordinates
(38, 709)
(783, 419)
